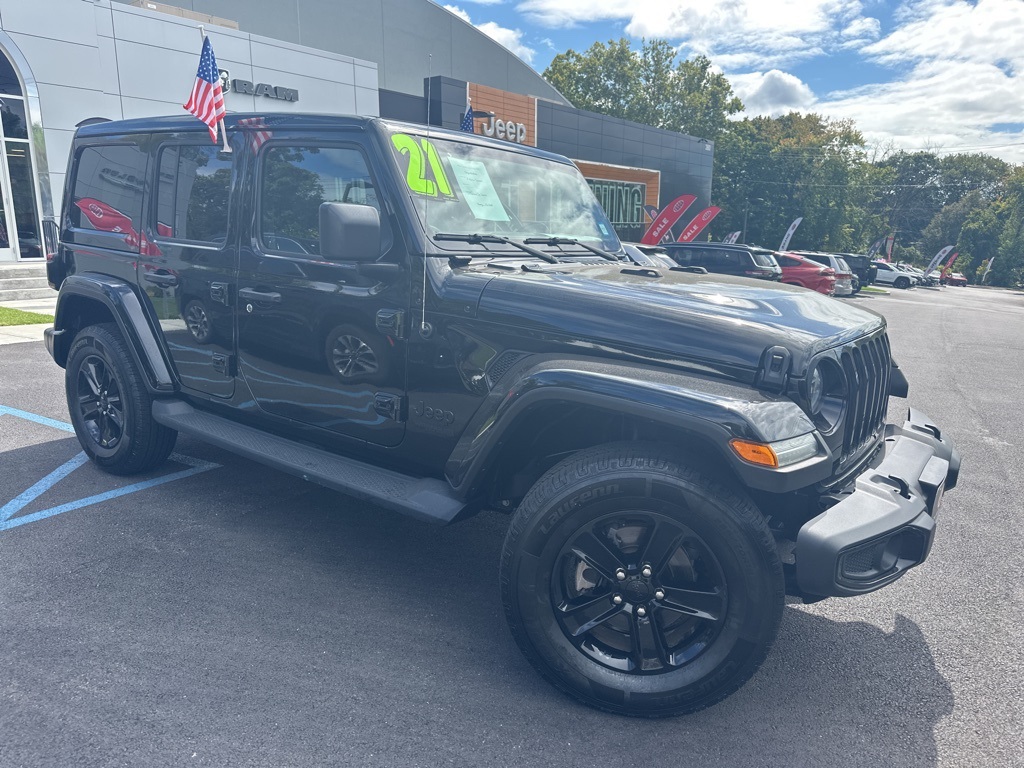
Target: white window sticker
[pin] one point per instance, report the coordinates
(478, 190)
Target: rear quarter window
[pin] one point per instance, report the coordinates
(106, 198)
(763, 258)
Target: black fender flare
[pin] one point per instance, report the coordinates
(708, 407)
(123, 304)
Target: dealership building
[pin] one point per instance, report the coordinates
(63, 62)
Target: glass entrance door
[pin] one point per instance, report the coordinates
(19, 215)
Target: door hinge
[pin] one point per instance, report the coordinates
(224, 364)
(390, 406)
(391, 322)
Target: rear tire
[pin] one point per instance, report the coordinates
(674, 637)
(110, 408)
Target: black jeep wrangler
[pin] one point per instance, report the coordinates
(443, 324)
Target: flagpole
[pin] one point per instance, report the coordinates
(222, 129)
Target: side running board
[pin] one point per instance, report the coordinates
(426, 499)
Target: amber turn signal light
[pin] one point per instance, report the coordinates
(755, 453)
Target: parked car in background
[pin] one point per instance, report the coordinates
(955, 278)
(862, 267)
(727, 259)
(922, 279)
(888, 274)
(844, 275)
(797, 270)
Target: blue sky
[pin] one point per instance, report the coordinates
(939, 75)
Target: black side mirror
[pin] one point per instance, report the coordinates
(349, 232)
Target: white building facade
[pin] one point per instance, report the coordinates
(66, 61)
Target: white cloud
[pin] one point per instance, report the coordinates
(731, 32)
(512, 39)
(772, 93)
(961, 71)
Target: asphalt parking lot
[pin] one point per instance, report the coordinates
(215, 613)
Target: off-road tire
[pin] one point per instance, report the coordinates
(572, 502)
(140, 443)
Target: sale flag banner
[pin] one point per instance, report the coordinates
(789, 233)
(889, 242)
(700, 221)
(652, 213)
(988, 268)
(663, 221)
(936, 259)
(732, 237)
(875, 247)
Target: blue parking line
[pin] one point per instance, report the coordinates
(45, 421)
(11, 508)
(18, 503)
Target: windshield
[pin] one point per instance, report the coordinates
(461, 188)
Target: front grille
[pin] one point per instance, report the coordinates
(867, 364)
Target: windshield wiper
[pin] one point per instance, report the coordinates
(552, 241)
(481, 239)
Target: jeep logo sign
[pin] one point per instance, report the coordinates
(505, 130)
(262, 89)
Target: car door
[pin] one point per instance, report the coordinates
(319, 342)
(187, 258)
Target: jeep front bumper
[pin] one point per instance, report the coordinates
(885, 524)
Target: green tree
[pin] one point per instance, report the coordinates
(649, 86)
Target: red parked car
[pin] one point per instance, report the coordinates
(797, 270)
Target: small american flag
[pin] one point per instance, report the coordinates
(207, 99)
(259, 133)
(467, 119)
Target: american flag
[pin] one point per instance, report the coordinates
(259, 133)
(207, 99)
(467, 119)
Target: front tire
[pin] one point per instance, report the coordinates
(109, 405)
(902, 283)
(640, 585)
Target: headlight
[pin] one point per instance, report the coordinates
(824, 394)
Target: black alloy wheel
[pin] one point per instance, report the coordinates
(99, 402)
(198, 321)
(639, 592)
(110, 406)
(640, 584)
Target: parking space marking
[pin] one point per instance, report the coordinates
(11, 508)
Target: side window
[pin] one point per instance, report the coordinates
(193, 188)
(683, 256)
(785, 261)
(295, 180)
(107, 195)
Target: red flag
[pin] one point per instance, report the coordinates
(669, 215)
(207, 99)
(949, 264)
(700, 221)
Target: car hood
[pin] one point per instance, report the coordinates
(714, 320)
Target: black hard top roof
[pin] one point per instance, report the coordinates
(296, 121)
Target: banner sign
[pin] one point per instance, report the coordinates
(889, 242)
(732, 237)
(873, 250)
(669, 215)
(623, 202)
(789, 233)
(988, 268)
(937, 258)
(700, 221)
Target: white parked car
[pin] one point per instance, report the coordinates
(890, 274)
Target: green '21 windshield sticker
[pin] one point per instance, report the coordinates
(422, 157)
